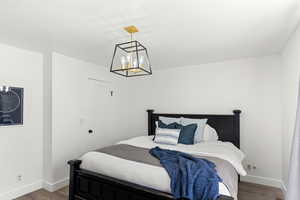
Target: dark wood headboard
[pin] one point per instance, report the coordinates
(227, 126)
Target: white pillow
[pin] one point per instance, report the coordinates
(210, 134)
(166, 136)
(201, 123)
(169, 120)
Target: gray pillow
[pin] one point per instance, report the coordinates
(201, 123)
(169, 120)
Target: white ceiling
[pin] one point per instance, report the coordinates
(176, 32)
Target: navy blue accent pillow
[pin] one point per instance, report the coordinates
(169, 126)
(187, 133)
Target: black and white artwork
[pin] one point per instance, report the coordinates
(11, 106)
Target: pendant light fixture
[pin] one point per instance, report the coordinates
(130, 58)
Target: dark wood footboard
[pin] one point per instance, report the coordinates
(88, 185)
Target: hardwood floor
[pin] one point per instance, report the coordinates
(250, 191)
(247, 191)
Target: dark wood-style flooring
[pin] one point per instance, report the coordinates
(247, 191)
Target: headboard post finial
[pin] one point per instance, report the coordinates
(237, 112)
(150, 127)
(150, 111)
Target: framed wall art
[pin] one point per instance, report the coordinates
(11, 106)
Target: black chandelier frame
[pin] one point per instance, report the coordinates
(133, 46)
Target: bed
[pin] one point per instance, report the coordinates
(91, 180)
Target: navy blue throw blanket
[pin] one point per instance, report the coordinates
(191, 178)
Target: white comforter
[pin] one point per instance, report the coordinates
(153, 176)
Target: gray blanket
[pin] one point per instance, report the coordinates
(224, 169)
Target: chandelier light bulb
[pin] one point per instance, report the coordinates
(6, 88)
(129, 60)
(141, 61)
(135, 63)
(123, 62)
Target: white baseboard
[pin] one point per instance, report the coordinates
(262, 180)
(52, 187)
(21, 190)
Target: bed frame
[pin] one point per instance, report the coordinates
(88, 185)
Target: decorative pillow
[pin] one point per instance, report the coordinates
(161, 124)
(201, 123)
(166, 136)
(169, 120)
(187, 133)
(210, 134)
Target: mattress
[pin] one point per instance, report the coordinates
(156, 177)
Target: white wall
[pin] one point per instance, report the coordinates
(79, 104)
(73, 104)
(290, 81)
(252, 85)
(21, 147)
